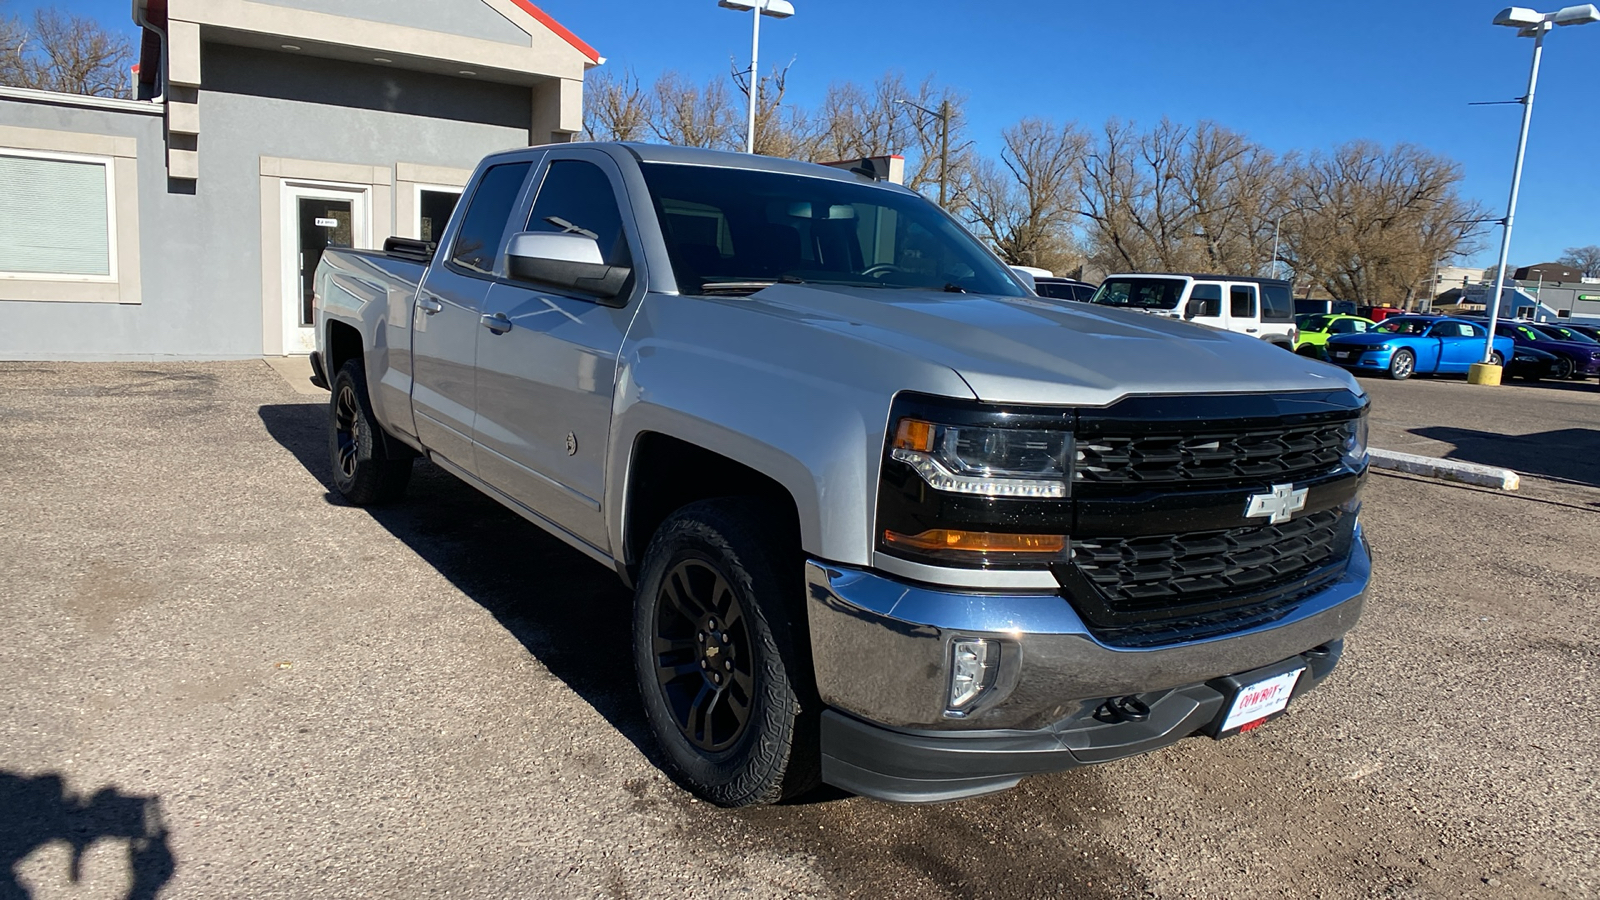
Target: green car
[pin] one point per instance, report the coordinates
(1316, 329)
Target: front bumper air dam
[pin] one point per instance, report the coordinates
(881, 651)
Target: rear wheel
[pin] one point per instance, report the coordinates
(1402, 365)
(363, 470)
(1564, 367)
(1497, 359)
(717, 655)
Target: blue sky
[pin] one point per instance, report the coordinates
(1291, 75)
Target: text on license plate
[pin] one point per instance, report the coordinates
(1341, 354)
(1262, 699)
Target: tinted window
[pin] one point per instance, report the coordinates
(1058, 291)
(1343, 326)
(735, 230)
(1403, 326)
(1242, 302)
(576, 197)
(1276, 303)
(484, 224)
(1139, 293)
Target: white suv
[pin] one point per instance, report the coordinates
(1262, 307)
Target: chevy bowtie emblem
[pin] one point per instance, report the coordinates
(1278, 506)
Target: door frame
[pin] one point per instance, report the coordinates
(298, 339)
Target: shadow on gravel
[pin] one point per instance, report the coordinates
(1567, 454)
(573, 615)
(40, 810)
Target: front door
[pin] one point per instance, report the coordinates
(315, 217)
(1205, 305)
(547, 359)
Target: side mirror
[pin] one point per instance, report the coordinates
(1190, 311)
(569, 262)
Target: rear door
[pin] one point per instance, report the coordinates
(1244, 309)
(444, 320)
(547, 360)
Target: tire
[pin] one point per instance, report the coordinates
(363, 469)
(716, 628)
(1564, 367)
(1310, 350)
(1496, 358)
(1402, 365)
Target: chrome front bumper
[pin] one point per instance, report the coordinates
(882, 648)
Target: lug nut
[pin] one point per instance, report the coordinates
(704, 665)
(728, 664)
(701, 637)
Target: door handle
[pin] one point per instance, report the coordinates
(1251, 330)
(429, 305)
(497, 323)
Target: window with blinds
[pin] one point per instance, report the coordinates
(54, 216)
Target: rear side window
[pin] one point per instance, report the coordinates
(484, 224)
(1242, 302)
(1277, 305)
(576, 197)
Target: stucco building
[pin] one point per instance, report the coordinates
(184, 223)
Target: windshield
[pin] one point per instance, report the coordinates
(1316, 323)
(1566, 334)
(1403, 326)
(738, 230)
(1139, 293)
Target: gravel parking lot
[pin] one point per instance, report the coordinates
(223, 682)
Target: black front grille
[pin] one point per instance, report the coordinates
(1152, 589)
(1277, 454)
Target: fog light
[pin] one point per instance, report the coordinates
(972, 662)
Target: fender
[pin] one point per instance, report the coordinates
(804, 406)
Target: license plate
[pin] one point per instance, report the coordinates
(1257, 701)
(1341, 354)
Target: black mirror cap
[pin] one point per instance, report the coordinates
(606, 284)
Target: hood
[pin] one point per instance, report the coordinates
(1368, 339)
(1031, 350)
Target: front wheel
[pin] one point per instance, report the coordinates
(717, 655)
(1564, 367)
(1402, 365)
(363, 470)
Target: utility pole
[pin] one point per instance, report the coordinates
(944, 150)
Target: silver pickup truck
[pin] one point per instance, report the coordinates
(893, 522)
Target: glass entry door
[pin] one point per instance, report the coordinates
(315, 218)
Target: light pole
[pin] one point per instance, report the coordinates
(944, 141)
(778, 9)
(1535, 25)
(1277, 222)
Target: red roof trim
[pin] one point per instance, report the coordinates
(560, 30)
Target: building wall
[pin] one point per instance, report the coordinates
(475, 20)
(205, 277)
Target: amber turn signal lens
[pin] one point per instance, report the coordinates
(914, 434)
(977, 541)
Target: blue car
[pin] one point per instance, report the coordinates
(1402, 346)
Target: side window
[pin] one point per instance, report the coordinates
(1276, 303)
(484, 223)
(1205, 300)
(1242, 301)
(1343, 326)
(576, 198)
(1357, 326)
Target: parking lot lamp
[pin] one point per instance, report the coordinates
(1528, 23)
(778, 9)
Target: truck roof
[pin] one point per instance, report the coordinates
(1209, 276)
(727, 159)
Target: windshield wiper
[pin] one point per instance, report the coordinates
(953, 288)
(734, 287)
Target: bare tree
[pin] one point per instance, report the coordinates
(67, 53)
(692, 116)
(1027, 204)
(1378, 220)
(1585, 259)
(1181, 198)
(781, 130)
(616, 107)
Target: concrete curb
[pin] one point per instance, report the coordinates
(1446, 469)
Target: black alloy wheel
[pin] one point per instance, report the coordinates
(719, 654)
(702, 653)
(364, 470)
(1564, 367)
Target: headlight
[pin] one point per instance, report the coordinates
(1355, 442)
(992, 462)
(975, 485)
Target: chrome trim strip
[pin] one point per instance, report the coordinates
(981, 579)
